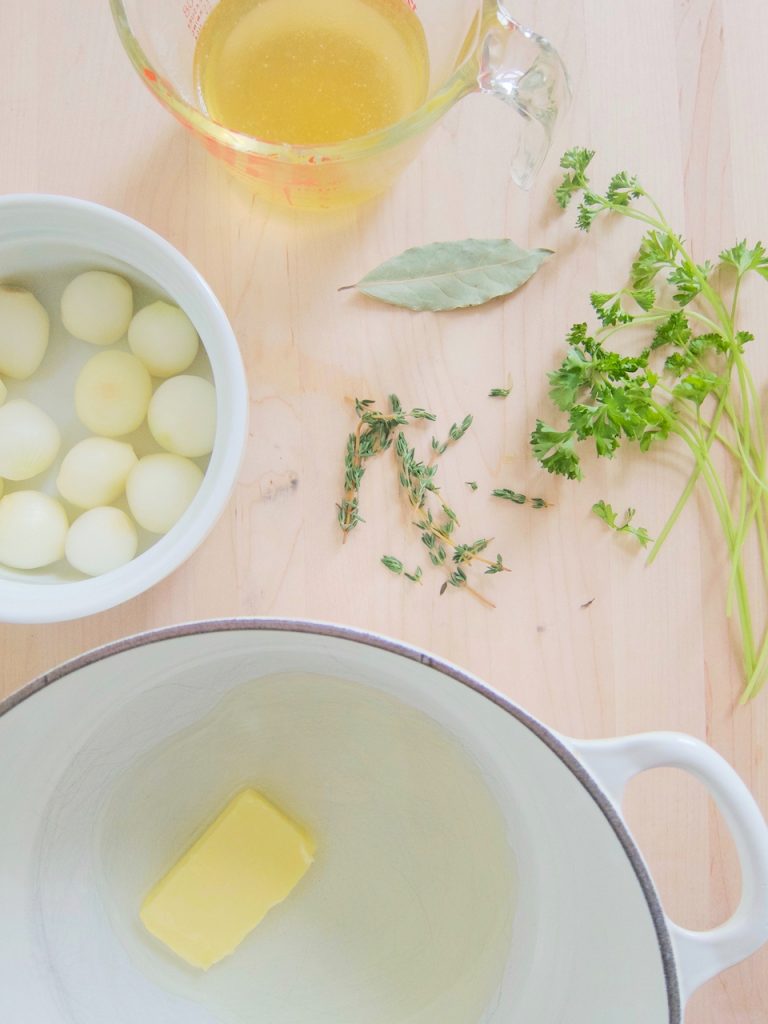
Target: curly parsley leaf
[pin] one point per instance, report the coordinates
(575, 161)
(556, 451)
(743, 258)
(605, 512)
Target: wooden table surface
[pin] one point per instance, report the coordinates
(674, 90)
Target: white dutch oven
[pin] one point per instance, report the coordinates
(473, 866)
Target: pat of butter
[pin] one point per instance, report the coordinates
(246, 862)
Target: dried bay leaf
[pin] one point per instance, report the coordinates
(453, 275)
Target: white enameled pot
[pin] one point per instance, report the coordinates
(473, 866)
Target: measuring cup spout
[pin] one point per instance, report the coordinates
(522, 68)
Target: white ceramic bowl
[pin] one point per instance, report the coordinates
(473, 867)
(55, 237)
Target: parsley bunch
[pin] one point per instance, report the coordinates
(689, 381)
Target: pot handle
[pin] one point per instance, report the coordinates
(700, 955)
(522, 68)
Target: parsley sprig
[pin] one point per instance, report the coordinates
(690, 381)
(606, 512)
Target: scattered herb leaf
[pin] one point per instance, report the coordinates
(457, 431)
(396, 566)
(605, 512)
(519, 499)
(497, 566)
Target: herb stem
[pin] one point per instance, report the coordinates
(689, 487)
(478, 596)
(734, 303)
(720, 500)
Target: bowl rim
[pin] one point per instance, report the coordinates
(314, 627)
(43, 602)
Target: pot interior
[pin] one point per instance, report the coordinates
(464, 873)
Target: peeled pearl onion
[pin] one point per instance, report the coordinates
(33, 528)
(112, 393)
(94, 471)
(29, 440)
(100, 540)
(182, 416)
(97, 306)
(163, 338)
(24, 331)
(159, 490)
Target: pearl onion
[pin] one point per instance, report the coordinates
(100, 540)
(163, 338)
(94, 471)
(33, 528)
(29, 440)
(97, 306)
(112, 393)
(160, 488)
(24, 331)
(182, 416)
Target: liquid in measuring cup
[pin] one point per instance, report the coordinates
(311, 72)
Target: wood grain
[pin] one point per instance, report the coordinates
(672, 89)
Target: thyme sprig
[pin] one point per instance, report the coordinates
(519, 499)
(437, 529)
(396, 566)
(457, 431)
(373, 435)
(436, 519)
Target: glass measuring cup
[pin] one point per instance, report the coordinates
(474, 46)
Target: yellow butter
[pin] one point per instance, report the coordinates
(246, 862)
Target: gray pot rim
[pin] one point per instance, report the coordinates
(370, 639)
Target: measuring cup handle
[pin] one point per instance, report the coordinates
(523, 68)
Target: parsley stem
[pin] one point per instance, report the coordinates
(735, 301)
(744, 441)
(757, 680)
(720, 500)
(642, 318)
(689, 487)
(659, 212)
(754, 514)
(758, 418)
(702, 319)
